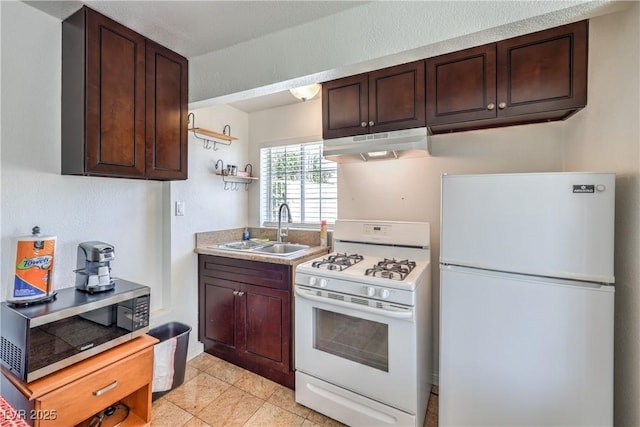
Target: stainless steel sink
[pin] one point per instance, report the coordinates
(281, 249)
(267, 248)
(243, 245)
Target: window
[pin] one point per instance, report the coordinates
(299, 176)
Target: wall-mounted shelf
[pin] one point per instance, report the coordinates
(230, 180)
(213, 134)
(208, 134)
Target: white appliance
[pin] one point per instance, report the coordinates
(527, 300)
(363, 325)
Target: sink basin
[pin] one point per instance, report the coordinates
(243, 245)
(281, 249)
(267, 248)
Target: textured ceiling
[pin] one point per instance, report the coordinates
(193, 28)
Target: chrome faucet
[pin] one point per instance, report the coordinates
(280, 233)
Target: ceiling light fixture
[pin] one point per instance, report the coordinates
(307, 92)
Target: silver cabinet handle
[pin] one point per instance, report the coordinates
(363, 124)
(240, 293)
(235, 292)
(491, 106)
(502, 105)
(106, 389)
(371, 123)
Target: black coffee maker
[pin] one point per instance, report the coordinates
(93, 272)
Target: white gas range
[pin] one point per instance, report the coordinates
(363, 325)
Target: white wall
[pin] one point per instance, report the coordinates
(126, 213)
(606, 137)
(208, 206)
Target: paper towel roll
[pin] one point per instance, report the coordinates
(33, 277)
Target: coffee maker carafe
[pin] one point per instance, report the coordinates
(93, 273)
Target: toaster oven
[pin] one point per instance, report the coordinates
(40, 339)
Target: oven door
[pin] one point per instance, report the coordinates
(367, 350)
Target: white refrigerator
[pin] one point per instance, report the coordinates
(526, 300)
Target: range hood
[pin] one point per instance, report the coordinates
(376, 146)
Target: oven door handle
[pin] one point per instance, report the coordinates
(379, 311)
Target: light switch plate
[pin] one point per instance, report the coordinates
(179, 208)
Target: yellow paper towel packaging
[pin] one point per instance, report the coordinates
(34, 267)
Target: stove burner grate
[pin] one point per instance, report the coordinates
(338, 261)
(391, 269)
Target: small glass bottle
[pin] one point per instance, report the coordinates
(245, 234)
(323, 233)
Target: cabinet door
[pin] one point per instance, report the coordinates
(543, 71)
(397, 98)
(115, 98)
(219, 313)
(345, 107)
(267, 325)
(167, 96)
(461, 86)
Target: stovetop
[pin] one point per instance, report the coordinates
(398, 273)
(395, 255)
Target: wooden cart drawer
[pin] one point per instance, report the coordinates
(96, 391)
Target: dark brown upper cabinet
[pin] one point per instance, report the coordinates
(532, 78)
(124, 102)
(167, 94)
(380, 101)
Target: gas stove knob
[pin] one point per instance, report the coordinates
(312, 281)
(370, 291)
(323, 283)
(384, 293)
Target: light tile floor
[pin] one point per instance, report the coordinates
(217, 393)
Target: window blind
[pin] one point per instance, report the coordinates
(299, 176)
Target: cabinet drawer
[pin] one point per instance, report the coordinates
(77, 400)
(257, 273)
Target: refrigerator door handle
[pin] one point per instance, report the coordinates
(529, 277)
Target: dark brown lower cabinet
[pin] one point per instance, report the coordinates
(245, 315)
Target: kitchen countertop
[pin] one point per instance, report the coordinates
(206, 245)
